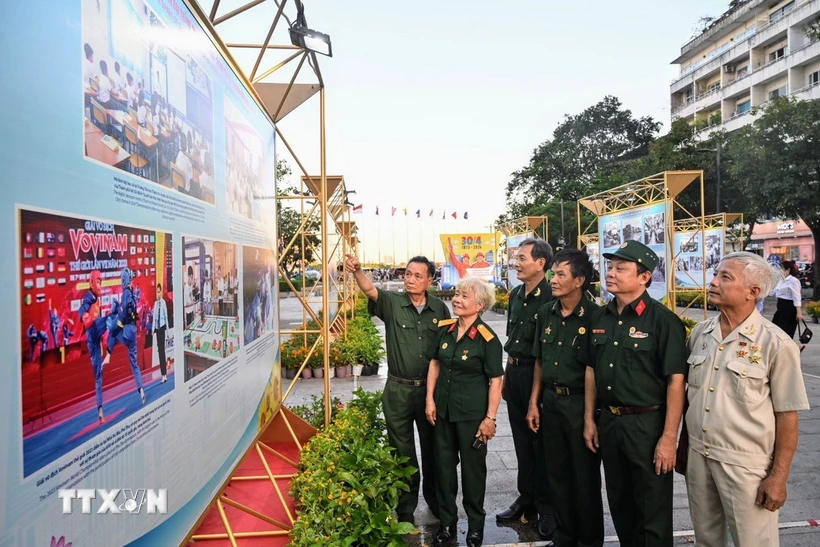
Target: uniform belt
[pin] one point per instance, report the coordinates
(561, 390)
(520, 361)
(416, 383)
(629, 410)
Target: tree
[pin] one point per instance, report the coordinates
(288, 221)
(777, 158)
(566, 166)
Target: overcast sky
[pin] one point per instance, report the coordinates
(431, 105)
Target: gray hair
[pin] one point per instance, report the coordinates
(484, 292)
(756, 272)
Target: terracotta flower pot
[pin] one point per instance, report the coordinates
(318, 372)
(341, 371)
(307, 374)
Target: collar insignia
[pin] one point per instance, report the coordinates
(751, 329)
(581, 312)
(472, 333)
(640, 308)
(538, 292)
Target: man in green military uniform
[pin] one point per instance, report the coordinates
(532, 260)
(636, 361)
(411, 331)
(573, 471)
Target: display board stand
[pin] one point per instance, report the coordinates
(643, 210)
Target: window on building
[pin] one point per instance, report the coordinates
(743, 107)
(742, 72)
(814, 78)
(777, 14)
(713, 87)
(781, 91)
(778, 54)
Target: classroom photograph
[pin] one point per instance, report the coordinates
(148, 107)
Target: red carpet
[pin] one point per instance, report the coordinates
(95, 424)
(258, 495)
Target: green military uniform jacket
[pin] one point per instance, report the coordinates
(634, 353)
(465, 369)
(559, 340)
(410, 336)
(523, 308)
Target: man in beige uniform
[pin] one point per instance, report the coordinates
(745, 388)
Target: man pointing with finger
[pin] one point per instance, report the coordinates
(411, 326)
(636, 361)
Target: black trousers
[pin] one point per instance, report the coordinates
(529, 450)
(786, 316)
(163, 365)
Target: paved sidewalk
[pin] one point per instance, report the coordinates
(804, 482)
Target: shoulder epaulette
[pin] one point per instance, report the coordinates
(485, 332)
(446, 322)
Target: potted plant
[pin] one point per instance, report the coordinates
(813, 309)
(338, 357)
(288, 359)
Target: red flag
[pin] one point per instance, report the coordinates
(393, 212)
(377, 210)
(454, 215)
(431, 212)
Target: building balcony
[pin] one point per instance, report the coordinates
(808, 93)
(769, 70)
(719, 28)
(806, 54)
(684, 110)
(730, 124)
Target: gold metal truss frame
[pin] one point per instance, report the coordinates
(274, 87)
(539, 225)
(664, 187)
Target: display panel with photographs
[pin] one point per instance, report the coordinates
(698, 256)
(643, 224)
(148, 105)
(211, 330)
(90, 353)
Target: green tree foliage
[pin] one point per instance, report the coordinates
(776, 161)
(566, 166)
(289, 219)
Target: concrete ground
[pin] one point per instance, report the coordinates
(803, 504)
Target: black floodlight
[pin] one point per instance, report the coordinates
(311, 40)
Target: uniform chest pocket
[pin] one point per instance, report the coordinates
(598, 344)
(746, 382)
(697, 369)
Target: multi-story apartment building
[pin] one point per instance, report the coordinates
(756, 51)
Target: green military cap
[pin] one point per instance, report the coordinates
(635, 251)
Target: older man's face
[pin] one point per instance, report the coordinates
(728, 288)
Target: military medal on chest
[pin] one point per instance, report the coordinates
(464, 356)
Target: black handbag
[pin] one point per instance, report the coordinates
(804, 334)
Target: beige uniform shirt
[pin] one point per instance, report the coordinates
(736, 385)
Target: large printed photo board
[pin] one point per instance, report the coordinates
(140, 357)
(646, 224)
(469, 255)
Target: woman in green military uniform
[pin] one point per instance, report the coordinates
(463, 394)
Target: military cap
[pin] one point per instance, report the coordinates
(635, 251)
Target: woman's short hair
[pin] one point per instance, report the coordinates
(756, 272)
(484, 292)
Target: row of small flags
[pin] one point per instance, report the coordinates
(359, 209)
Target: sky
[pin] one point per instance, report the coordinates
(432, 105)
